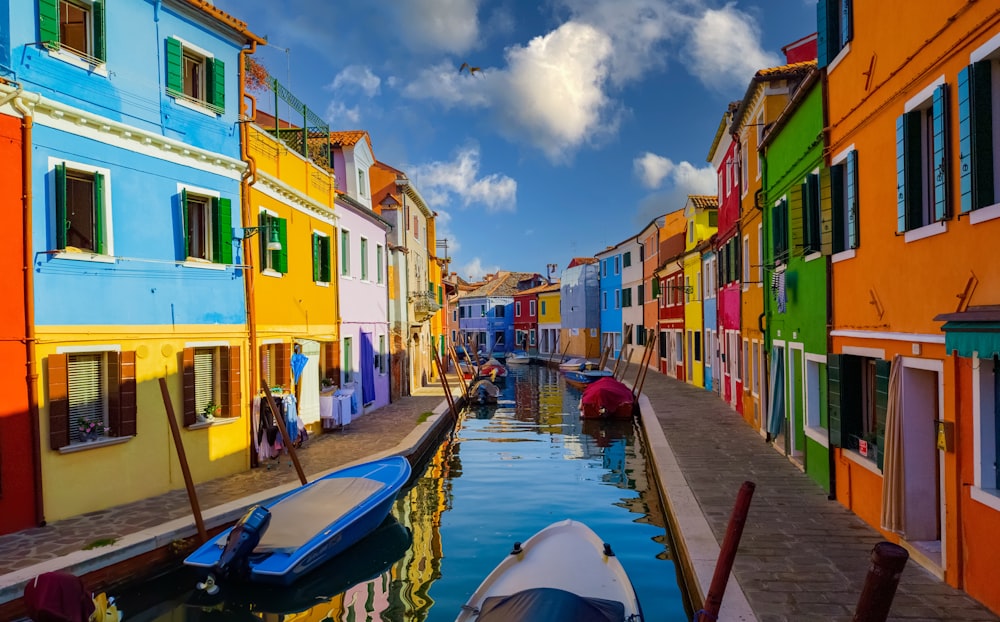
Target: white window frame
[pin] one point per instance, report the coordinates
(268, 271)
(532, 308)
(184, 100)
(986, 488)
(746, 263)
(109, 241)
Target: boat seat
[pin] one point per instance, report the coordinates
(549, 604)
(299, 517)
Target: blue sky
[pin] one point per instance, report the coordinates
(587, 118)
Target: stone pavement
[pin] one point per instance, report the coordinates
(801, 556)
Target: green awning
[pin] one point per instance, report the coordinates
(968, 337)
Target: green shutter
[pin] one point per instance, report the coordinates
(900, 175)
(325, 260)
(846, 23)
(909, 207)
(835, 406)
(838, 208)
(853, 221)
(48, 21)
(263, 235)
(881, 405)
(100, 47)
(440, 295)
(222, 242)
(175, 67)
(655, 286)
(825, 212)
(795, 209)
(184, 224)
(640, 293)
(822, 33)
(317, 267)
(61, 223)
(281, 256)
(939, 123)
(810, 206)
(99, 224)
(217, 84)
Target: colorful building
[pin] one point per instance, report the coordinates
(526, 318)
(581, 313)
(610, 283)
(764, 100)
(647, 289)
(709, 312)
(797, 249)
(672, 296)
(701, 212)
(133, 207)
(549, 320)
(896, 372)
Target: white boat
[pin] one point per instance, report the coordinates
(563, 573)
(518, 357)
(574, 364)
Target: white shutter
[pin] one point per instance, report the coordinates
(86, 391)
(204, 378)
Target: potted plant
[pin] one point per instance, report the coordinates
(211, 410)
(91, 429)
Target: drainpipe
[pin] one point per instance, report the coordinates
(247, 180)
(31, 375)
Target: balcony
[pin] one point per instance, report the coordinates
(425, 305)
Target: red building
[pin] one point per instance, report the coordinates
(17, 442)
(526, 318)
(671, 302)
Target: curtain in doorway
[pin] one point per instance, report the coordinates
(892, 464)
(367, 368)
(777, 414)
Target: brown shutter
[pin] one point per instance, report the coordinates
(262, 369)
(113, 367)
(231, 381)
(284, 365)
(332, 355)
(187, 380)
(127, 402)
(58, 401)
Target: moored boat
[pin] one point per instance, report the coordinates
(573, 364)
(584, 378)
(518, 357)
(565, 572)
(484, 392)
(607, 398)
(493, 370)
(282, 541)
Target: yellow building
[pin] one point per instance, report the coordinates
(549, 321)
(701, 214)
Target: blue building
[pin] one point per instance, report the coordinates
(486, 314)
(609, 264)
(135, 189)
(709, 298)
(579, 291)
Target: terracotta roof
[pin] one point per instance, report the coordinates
(704, 201)
(349, 138)
(576, 261)
(541, 289)
(504, 284)
(239, 26)
(783, 71)
(793, 71)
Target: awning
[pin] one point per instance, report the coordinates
(968, 337)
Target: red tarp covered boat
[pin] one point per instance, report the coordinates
(606, 398)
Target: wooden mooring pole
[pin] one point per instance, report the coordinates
(182, 458)
(888, 560)
(724, 565)
(444, 381)
(284, 431)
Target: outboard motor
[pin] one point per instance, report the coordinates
(246, 533)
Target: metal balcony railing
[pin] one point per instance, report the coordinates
(425, 304)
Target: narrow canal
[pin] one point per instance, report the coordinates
(502, 474)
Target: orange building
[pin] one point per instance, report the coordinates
(914, 413)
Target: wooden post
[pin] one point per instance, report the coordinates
(888, 560)
(444, 382)
(458, 370)
(284, 431)
(625, 339)
(724, 565)
(641, 378)
(182, 458)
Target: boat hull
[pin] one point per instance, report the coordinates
(565, 556)
(286, 565)
(607, 398)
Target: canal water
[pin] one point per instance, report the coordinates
(503, 473)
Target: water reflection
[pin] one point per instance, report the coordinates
(504, 473)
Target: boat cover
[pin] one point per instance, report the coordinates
(607, 392)
(299, 517)
(549, 604)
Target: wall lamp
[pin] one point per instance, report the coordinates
(273, 242)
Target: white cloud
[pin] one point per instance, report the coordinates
(440, 181)
(356, 77)
(652, 168)
(339, 114)
(474, 270)
(444, 84)
(446, 25)
(725, 48)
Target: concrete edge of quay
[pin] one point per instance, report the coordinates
(133, 545)
(697, 550)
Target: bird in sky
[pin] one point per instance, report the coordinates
(472, 70)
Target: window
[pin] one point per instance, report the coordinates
(604, 300)
(987, 422)
(618, 264)
(640, 293)
(760, 139)
(362, 185)
(276, 261)
(454, 315)
(211, 379)
(195, 75)
(810, 214)
(461, 312)
(383, 357)
(321, 257)
(858, 403)
(618, 299)
(531, 308)
(379, 267)
(922, 162)
(499, 310)
(746, 262)
(345, 252)
(697, 345)
(604, 267)
(208, 227)
(364, 259)
(627, 259)
(532, 338)
(754, 369)
(979, 140)
(835, 28)
(275, 364)
(416, 228)
(82, 208)
(73, 25)
(779, 221)
(627, 297)
(482, 310)
(95, 387)
(844, 199)
(517, 309)
(543, 304)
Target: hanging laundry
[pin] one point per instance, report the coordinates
(782, 297)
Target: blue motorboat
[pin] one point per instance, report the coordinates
(584, 377)
(300, 530)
